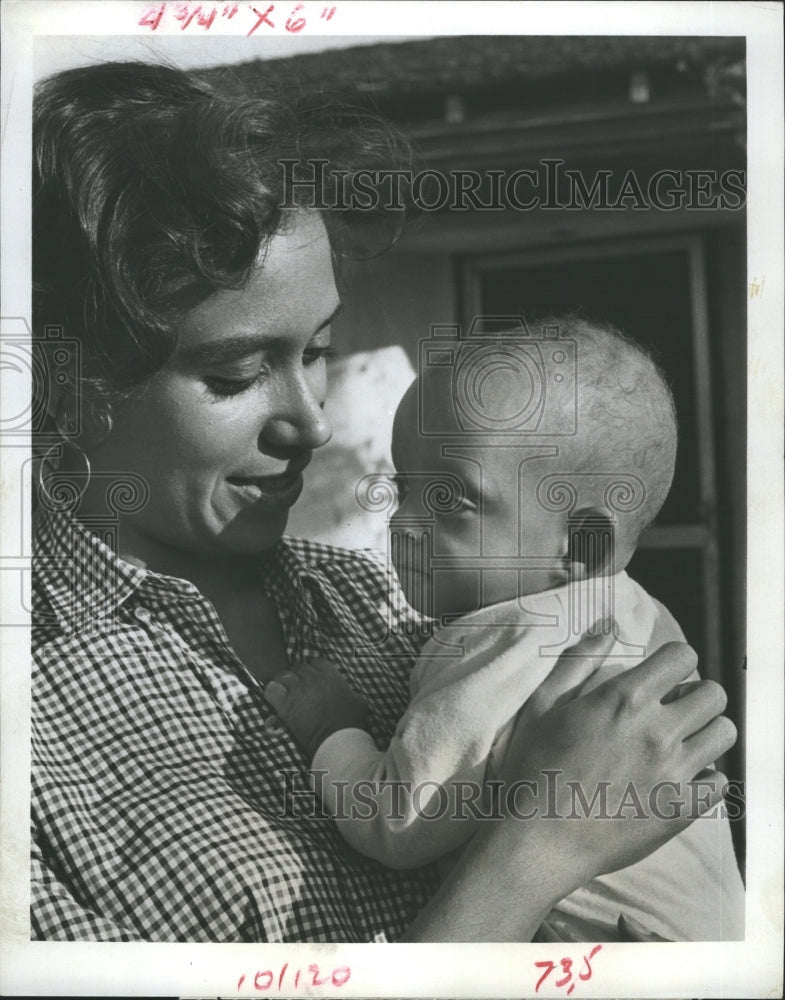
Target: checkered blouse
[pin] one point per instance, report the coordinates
(169, 803)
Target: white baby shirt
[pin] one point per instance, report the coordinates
(421, 798)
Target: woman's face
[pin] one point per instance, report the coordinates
(222, 433)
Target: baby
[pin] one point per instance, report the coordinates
(516, 545)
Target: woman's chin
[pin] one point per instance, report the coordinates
(248, 532)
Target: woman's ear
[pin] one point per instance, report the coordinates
(591, 542)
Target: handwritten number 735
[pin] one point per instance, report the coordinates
(566, 969)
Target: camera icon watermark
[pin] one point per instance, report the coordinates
(36, 373)
(502, 378)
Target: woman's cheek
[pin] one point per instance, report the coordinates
(208, 430)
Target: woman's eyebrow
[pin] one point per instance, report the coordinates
(218, 351)
(240, 346)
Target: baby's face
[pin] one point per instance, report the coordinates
(468, 504)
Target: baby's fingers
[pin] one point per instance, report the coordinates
(276, 691)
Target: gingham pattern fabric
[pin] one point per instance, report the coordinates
(169, 803)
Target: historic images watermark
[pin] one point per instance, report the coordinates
(550, 796)
(549, 184)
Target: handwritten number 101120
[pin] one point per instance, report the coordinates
(565, 976)
(276, 980)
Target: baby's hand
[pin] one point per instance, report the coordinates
(315, 701)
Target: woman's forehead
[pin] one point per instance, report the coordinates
(291, 293)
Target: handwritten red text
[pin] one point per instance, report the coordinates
(288, 977)
(564, 977)
(204, 15)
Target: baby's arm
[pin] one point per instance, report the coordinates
(378, 799)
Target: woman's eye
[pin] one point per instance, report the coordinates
(314, 354)
(223, 387)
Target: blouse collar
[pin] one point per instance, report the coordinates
(76, 564)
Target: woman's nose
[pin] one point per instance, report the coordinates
(298, 419)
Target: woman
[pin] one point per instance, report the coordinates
(168, 801)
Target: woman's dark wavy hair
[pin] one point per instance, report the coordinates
(151, 191)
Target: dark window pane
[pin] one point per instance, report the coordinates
(674, 576)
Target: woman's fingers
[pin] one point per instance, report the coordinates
(573, 668)
(694, 709)
(711, 742)
(680, 691)
(659, 673)
(546, 934)
(619, 736)
(630, 930)
(708, 786)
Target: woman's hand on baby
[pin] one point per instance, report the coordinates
(630, 930)
(625, 751)
(315, 701)
(571, 671)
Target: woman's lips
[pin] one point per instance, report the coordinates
(277, 492)
(269, 491)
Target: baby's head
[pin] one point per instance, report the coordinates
(483, 499)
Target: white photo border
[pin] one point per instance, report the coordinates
(750, 968)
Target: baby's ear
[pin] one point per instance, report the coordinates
(591, 542)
